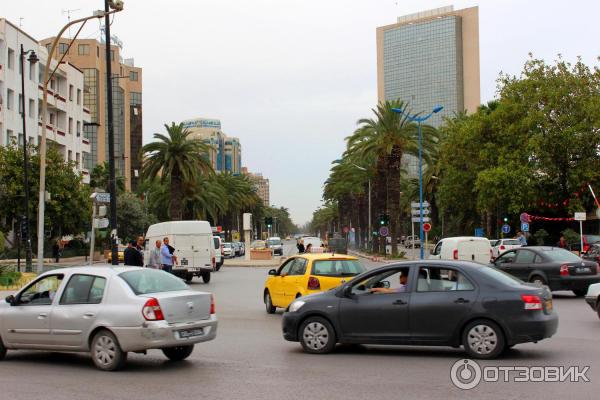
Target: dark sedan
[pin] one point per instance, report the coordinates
(444, 303)
(553, 266)
(593, 253)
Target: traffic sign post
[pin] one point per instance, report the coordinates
(419, 210)
(580, 216)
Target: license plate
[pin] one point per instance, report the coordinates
(548, 305)
(184, 261)
(188, 333)
(581, 270)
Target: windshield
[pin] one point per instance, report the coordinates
(226, 244)
(511, 242)
(272, 242)
(337, 268)
(561, 255)
(216, 241)
(493, 242)
(144, 281)
(500, 276)
(259, 243)
(592, 238)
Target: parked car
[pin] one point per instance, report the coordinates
(468, 248)
(411, 242)
(558, 268)
(242, 248)
(219, 257)
(593, 253)
(306, 274)
(108, 312)
(593, 297)
(236, 249)
(276, 245)
(193, 244)
(315, 241)
(442, 303)
(501, 245)
(228, 250)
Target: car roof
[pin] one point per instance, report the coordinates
(106, 269)
(326, 256)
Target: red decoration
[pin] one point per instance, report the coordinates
(533, 218)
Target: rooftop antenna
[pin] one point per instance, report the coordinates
(68, 12)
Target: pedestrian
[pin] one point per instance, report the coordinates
(56, 250)
(300, 246)
(308, 248)
(139, 246)
(166, 256)
(522, 239)
(130, 255)
(154, 261)
(562, 243)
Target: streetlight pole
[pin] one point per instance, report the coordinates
(419, 120)
(32, 60)
(117, 6)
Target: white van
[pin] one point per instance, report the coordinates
(467, 248)
(316, 242)
(193, 243)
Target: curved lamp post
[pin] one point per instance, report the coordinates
(418, 119)
(116, 7)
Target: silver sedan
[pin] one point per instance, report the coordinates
(108, 312)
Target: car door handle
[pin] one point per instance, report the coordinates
(89, 315)
(399, 302)
(42, 315)
(460, 300)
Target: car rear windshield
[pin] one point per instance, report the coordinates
(511, 242)
(561, 255)
(274, 242)
(592, 238)
(216, 242)
(493, 242)
(226, 244)
(144, 281)
(337, 268)
(500, 276)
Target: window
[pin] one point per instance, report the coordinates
(83, 289)
(10, 99)
(506, 258)
(133, 75)
(20, 103)
(337, 268)
(83, 49)
(561, 255)
(112, 55)
(9, 136)
(63, 48)
(70, 156)
(438, 249)
(31, 71)
(434, 279)
(77, 159)
(11, 58)
(525, 257)
(390, 281)
(70, 92)
(71, 126)
(78, 97)
(148, 280)
(41, 292)
(78, 128)
(51, 118)
(97, 51)
(298, 267)
(31, 108)
(285, 268)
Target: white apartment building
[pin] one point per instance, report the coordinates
(66, 114)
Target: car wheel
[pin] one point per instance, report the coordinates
(317, 336)
(483, 339)
(205, 276)
(178, 353)
(597, 311)
(580, 292)
(538, 280)
(188, 278)
(2, 350)
(219, 266)
(269, 303)
(106, 352)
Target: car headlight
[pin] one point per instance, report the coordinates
(296, 305)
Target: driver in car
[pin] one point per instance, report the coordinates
(401, 288)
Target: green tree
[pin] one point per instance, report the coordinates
(132, 216)
(100, 177)
(177, 159)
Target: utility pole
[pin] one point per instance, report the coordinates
(112, 184)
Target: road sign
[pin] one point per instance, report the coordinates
(102, 198)
(426, 211)
(418, 205)
(525, 227)
(506, 228)
(479, 232)
(383, 231)
(101, 223)
(418, 219)
(524, 217)
(580, 216)
(346, 229)
(426, 227)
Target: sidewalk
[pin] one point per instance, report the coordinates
(378, 258)
(71, 261)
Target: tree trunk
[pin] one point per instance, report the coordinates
(393, 172)
(176, 186)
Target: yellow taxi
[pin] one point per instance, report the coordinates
(305, 274)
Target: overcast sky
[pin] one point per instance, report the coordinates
(290, 78)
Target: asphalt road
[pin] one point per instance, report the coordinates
(250, 360)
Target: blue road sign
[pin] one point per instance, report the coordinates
(506, 228)
(383, 231)
(479, 232)
(525, 227)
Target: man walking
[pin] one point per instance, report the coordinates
(522, 238)
(154, 261)
(130, 254)
(166, 258)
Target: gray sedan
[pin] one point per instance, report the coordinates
(108, 312)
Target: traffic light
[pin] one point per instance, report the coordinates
(269, 221)
(505, 219)
(384, 219)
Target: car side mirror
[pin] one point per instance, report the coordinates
(272, 272)
(347, 291)
(386, 284)
(11, 300)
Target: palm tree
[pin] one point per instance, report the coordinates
(177, 159)
(386, 138)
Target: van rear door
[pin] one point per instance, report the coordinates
(474, 250)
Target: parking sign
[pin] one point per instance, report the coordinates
(525, 227)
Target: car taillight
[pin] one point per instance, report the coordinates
(214, 262)
(502, 247)
(212, 304)
(152, 310)
(564, 270)
(455, 254)
(313, 283)
(532, 302)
